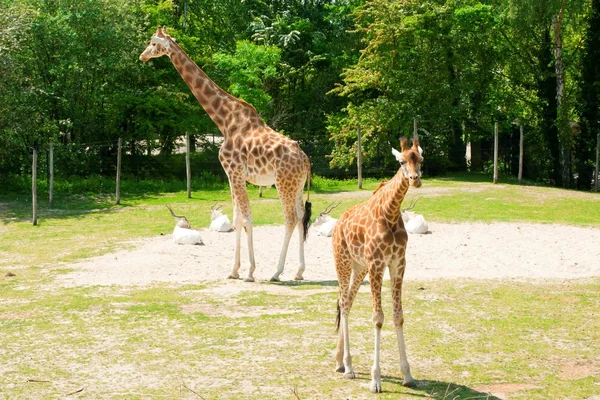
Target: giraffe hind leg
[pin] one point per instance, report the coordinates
(396, 278)
(291, 221)
(302, 226)
(356, 279)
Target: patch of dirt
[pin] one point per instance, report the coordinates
(574, 370)
(500, 390)
(20, 315)
(213, 310)
(480, 251)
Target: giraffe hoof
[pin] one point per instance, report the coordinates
(375, 387)
(299, 278)
(273, 279)
(233, 277)
(349, 375)
(340, 369)
(249, 279)
(409, 384)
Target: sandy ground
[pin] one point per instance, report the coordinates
(481, 251)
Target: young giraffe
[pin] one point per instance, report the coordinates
(367, 238)
(251, 152)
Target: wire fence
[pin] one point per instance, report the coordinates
(97, 161)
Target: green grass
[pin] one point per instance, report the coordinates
(144, 343)
(276, 341)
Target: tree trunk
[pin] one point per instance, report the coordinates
(564, 133)
(590, 100)
(456, 145)
(547, 93)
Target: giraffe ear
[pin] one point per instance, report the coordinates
(420, 150)
(398, 155)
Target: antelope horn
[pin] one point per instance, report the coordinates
(330, 208)
(412, 205)
(214, 205)
(173, 214)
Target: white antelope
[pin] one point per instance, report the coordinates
(414, 223)
(219, 221)
(183, 232)
(324, 224)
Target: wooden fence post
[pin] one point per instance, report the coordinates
(359, 157)
(596, 183)
(520, 152)
(51, 168)
(495, 152)
(188, 168)
(118, 183)
(34, 186)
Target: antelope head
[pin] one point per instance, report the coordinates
(182, 221)
(324, 216)
(215, 212)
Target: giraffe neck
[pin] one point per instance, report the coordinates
(392, 196)
(218, 104)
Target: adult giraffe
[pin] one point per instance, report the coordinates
(251, 152)
(368, 238)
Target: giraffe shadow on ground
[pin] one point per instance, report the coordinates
(437, 390)
(300, 284)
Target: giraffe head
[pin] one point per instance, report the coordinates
(160, 44)
(410, 159)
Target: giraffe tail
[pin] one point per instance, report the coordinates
(307, 208)
(306, 218)
(338, 317)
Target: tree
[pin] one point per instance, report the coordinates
(249, 71)
(589, 106)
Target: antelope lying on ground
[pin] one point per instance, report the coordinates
(414, 223)
(183, 232)
(324, 224)
(219, 221)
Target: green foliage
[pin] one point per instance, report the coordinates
(249, 71)
(315, 71)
